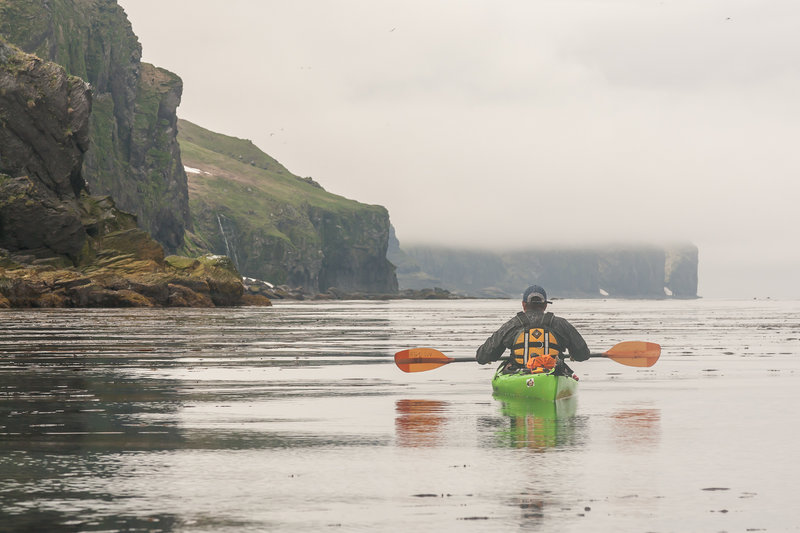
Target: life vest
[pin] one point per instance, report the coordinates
(542, 348)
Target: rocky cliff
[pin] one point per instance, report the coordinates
(59, 246)
(680, 270)
(133, 154)
(277, 226)
(272, 224)
(611, 271)
(44, 135)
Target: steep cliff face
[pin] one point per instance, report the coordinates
(60, 247)
(43, 137)
(133, 154)
(681, 270)
(635, 272)
(277, 226)
(353, 243)
(613, 271)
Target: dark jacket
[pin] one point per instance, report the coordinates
(505, 337)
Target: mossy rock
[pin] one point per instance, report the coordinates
(135, 242)
(182, 296)
(101, 216)
(256, 300)
(180, 262)
(219, 264)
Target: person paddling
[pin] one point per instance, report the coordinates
(537, 339)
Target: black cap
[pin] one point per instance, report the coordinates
(535, 294)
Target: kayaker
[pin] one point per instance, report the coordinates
(549, 337)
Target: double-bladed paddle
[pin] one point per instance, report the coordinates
(629, 353)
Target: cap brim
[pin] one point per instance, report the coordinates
(538, 301)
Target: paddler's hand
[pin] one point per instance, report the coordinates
(583, 358)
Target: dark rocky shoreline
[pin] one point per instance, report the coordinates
(124, 280)
(258, 288)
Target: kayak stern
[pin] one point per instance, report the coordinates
(548, 387)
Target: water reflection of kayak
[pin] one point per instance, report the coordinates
(547, 387)
(537, 424)
(515, 406)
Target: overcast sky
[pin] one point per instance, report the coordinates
(489, 123)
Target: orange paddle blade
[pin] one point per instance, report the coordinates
(635, 353)
(420, 359)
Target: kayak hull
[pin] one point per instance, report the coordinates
(546, 387)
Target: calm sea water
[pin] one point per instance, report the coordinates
(294, 418)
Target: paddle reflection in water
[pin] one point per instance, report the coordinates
(518, 423)
(420, 423)
(637, 428)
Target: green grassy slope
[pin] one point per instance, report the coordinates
(274, 224)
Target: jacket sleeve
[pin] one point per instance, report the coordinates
(493, 348)
(575, 344)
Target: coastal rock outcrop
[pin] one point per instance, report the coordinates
(43, 138)
(61, 247)
(279, 227)
(133, 154)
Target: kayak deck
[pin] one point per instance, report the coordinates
(542, 386)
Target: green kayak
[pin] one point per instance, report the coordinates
(548, 387)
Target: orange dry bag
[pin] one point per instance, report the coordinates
(541, 363)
